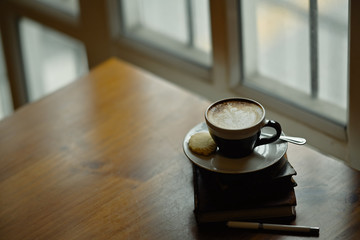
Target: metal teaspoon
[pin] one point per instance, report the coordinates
(295, 140)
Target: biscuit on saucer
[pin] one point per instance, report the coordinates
(202, 143)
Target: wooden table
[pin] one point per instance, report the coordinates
(102, 159)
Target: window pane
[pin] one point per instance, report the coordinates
(279, 43)
(180, 27)
(69, 6)
(201, 25)
(333, 51)
(289, 38)
(298, 52)
(5, 96)
(154, 14)
(51, 59)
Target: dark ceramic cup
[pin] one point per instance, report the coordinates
(235, 125)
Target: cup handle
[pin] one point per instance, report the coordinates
(272, 124)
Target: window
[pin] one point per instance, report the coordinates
(51, 60)
(180, 27)
(293, 57)
(298, 52)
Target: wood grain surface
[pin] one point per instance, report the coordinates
(102, 159)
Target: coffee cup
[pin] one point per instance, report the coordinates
(235, 125)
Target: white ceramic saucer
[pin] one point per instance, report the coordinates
(263, 156)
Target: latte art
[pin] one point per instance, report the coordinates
(235, 114)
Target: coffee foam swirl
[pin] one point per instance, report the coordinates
(235, 114)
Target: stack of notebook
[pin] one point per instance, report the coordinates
(260, 196)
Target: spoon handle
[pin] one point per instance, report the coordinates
(295, 140)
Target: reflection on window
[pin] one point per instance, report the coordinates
(69, 6)
(301, 51)
(179, 26)
(51, 59)
(5, 97)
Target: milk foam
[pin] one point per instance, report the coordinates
(235, 114)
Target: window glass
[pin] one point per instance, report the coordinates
(69, 6)
(298, 52)
(5, 96)
(333, 51)
(201, 25)
(282, 35)
(180, 27)
(51, 59)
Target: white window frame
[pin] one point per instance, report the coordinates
(98, 27)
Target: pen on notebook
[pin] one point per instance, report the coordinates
(274, 227)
